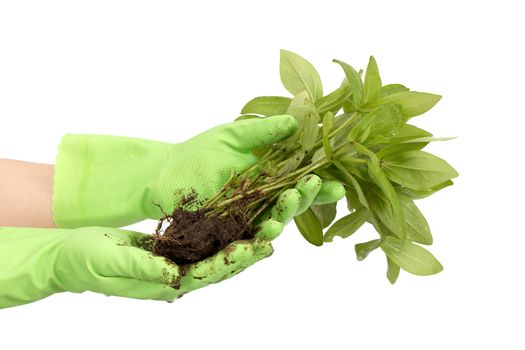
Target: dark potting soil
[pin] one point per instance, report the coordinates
(193, 235)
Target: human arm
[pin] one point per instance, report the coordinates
(25, 192)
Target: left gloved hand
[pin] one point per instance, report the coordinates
(35, 263)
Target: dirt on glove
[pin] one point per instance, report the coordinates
(195, 235)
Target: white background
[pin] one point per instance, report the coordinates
(167, 71)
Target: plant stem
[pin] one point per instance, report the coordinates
(220, 202)
(275, 186)
(286, 180)
(347, 122)
(264, 206)
(222, 191)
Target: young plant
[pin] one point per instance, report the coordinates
(357, 134)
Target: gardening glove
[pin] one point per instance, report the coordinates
(310, 190)
(35, 263)
(116, 181)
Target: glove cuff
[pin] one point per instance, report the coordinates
(27, 270)
(102, 180)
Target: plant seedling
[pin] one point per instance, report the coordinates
(358, 134)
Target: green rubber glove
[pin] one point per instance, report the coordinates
(115, 181)
(310, 190)
(36, 263)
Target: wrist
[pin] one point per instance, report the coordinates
(103, 180)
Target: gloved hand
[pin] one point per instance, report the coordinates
(115, 181)
(35, 263)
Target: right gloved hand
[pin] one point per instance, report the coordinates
(116, 181)
(308, 191)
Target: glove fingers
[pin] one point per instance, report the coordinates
(330, 192)
(227, 263)
(125, 259)
(147, 267)
(287, 205)
(133, 288)
(308, 187)
(308, 191)
(269, 229)
(253, 133)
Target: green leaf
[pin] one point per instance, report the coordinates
(403, 141)
(417, 170)
(353, 162)
(329, 174)
(378, 125)
(410, 145)
(417, 226)
(350, 180)
(333, 101)
(325, 213)
(392, 272)
(363, 249)
(348, 106)
(397, 148)
(310, 227)
(301, 107)
(310, 131)
(383, 210)
(387, 189)
(347, 225)
(428, 139)
(318, 154)
(425, 193)
(391, 89)
(411, 257)
(418, 229)
(356, 84)
(372, 81)
(352, 200)
(297, 74)
(267, 105)
(328, 125)
(409, 132)
(345, 122)
(380, 206)
(412, 103)
(292, 163)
